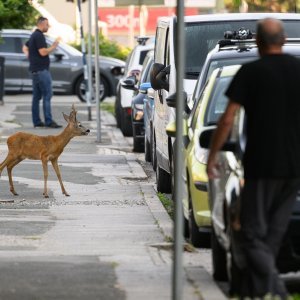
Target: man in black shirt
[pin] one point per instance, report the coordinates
(268, 90)
(38, 53)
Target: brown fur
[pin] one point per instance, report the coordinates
(22, 145)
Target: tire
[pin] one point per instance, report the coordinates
(126, 124)
(154, 158)
(118, 110)
(137, 145)
(219, 265)
(198, 239)
(147, 149)
(163, 180)
(186, 230)
(80, 89)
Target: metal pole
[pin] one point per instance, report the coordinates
(97, 73)
(90, 73)
(85, 68)
(178, 222)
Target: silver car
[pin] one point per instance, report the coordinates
(66, 67)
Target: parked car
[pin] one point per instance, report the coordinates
(148, 125)
(132, 71)
(224, 198)
(137, 105)
(66, 67)
(208, 29)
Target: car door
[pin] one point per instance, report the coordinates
(11, 50)
(61, 64)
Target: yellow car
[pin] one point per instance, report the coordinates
(205, 113)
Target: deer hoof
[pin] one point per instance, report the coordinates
(46, 196)
(66, 194)
(14, 193)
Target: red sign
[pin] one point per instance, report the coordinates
(117, 19)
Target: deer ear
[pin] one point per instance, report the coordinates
(66, 117)
(73, 112)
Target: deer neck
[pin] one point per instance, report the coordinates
(64, 137)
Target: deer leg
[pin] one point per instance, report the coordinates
(10, 166)
(45, 168)
(57, 171)
(4, 163)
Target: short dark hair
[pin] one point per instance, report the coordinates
(41, 19)
(268, 38)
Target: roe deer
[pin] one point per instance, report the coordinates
(23, 145)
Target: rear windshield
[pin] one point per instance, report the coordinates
(202, 37)
(218, 101)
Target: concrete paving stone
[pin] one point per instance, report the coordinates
(65, 278)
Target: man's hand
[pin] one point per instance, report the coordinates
(212, 167)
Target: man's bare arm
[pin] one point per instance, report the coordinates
(25, 50)
(220, 136)
(47, 51)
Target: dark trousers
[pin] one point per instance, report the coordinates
(266, 206)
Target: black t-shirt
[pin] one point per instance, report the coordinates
(269, 90)
(37, 62)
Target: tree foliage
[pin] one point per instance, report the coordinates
(108, 48)
(264, 5)
(16, 14)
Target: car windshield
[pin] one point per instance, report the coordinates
(202, 37)
(218, 101)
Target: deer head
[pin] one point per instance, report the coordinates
(74, 125)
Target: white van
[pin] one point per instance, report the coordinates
(201, 35)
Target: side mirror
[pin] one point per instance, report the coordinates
(129, 83)
(158, 76)
(117, 71)
(171, 129)
(143, 89)
(171, 99)
(58, 56)
(205, 140)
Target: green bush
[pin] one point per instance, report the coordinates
(108, 48)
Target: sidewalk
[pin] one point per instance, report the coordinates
(108, 240)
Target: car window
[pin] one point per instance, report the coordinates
(195, 110)
(218, 101)
(214, 64)
(202, 37)
(142, 56)
(10, 45)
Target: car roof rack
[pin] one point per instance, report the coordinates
(142, 39)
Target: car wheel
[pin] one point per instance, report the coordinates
(118, 109)
(126, 124)
(218, 259)
(197, 238)
(80, 89)
(163, 180)
(154, 159)
(147, 148)
(186, 230)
